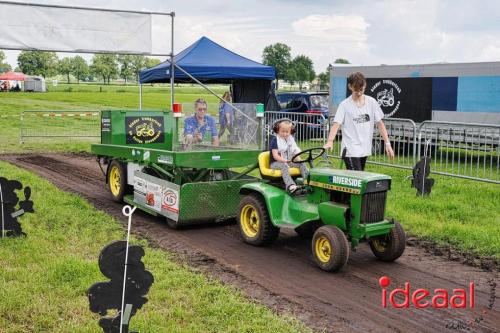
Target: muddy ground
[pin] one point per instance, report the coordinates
(284, 277)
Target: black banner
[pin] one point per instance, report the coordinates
(144, 130)
(409, 98)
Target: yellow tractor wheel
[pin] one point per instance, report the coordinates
(330, 248)
(255, 224)
(117, 180)
(391, 246)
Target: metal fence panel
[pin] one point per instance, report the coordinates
(462, 150)
(48, 125)
(311, 129)
(402, 134)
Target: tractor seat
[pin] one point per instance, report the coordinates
(267, 172)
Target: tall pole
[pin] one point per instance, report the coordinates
(140, 95)
(1, 204)
(172, 68)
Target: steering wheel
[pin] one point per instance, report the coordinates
(312, 154)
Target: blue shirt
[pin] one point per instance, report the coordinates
(191, 125)
(273, 144)
(223, 110)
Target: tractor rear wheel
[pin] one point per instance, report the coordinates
(391, 246)
(117, 180)
(330, 248)
(255, 224)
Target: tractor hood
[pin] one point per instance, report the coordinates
(348, 180)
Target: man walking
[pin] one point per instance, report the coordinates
(357, 115)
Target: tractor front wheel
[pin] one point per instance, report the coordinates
(117, 180)
(330, 248)
(255, 224)
(391, 246)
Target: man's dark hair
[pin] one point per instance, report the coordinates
(356, 80)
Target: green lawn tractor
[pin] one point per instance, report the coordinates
(336, 207)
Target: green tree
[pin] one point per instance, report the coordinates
(291, 75)
(38, 63)
(125, 62)
(80, 68)
(324, 80)
(152, 62)
(105, 66)
(341, 61)
(277, 55)
(65, 67)
(4, 67)
(303, 67)
(138, 63)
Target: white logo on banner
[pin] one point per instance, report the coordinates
(384, 91)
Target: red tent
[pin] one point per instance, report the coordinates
(12, 76)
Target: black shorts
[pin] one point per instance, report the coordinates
(354, 163)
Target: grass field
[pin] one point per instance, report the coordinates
(83, 97)
(44, 277)
(459, 212)
(46, 292)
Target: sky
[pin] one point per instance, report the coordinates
(363, 32)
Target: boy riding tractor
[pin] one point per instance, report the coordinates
(338, 207)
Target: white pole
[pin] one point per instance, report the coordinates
(127, 211)
(172, 69)
(140, 96)
(1, 204)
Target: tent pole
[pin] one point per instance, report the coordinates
(172, 68)
(140, 96)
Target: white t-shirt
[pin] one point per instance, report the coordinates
(357, 125)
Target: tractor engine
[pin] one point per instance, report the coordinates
(363, 194)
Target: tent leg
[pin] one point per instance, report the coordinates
(140, 96)
(172, 68)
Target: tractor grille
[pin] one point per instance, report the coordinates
(373, 207)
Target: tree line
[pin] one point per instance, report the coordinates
(297, 70)
(104, 66)
(111, 66)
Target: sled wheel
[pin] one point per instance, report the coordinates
(391, 246)
(117, 180)
(330, 248)
(173, 224)
(255, 225)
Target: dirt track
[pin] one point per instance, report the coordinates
(284, 277)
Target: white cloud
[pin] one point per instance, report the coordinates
(364, 32)
(333, 28)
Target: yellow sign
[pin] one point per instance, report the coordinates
(144, 130)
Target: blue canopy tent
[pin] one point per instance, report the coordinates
(209, 62)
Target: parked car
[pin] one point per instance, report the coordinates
(309, 103)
